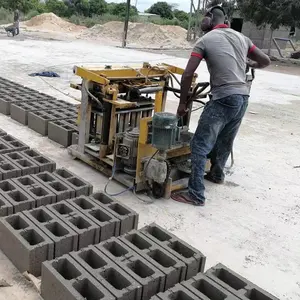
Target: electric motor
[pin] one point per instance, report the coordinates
(164, 130)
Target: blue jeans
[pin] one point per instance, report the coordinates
(214, 137)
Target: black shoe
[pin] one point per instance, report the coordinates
(210, 178)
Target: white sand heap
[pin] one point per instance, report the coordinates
(142, 34)
(51, 22)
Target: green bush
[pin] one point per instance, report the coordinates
(31, 14)
(6, 16)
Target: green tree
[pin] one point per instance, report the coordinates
(275, 13)
(181, 15)
(162, 9)
(57, 7)
(119, 9)
(98, 7)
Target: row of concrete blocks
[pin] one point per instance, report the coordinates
(25, 162)
(218, 283)
(19, 111)
(34, 236)
(134, 266)
(31, 191)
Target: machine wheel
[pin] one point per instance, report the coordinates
(158, 190)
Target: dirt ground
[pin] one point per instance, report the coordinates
(251, 223)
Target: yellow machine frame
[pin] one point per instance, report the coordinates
(108, 81)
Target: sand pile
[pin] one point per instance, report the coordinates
(51, 22)
(141, 34)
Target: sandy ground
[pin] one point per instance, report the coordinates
(250, 224)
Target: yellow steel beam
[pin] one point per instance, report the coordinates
(90, 75)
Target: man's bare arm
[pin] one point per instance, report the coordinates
(258, 59)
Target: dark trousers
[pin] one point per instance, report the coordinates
(214, 137)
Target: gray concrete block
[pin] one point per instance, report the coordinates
(171, 266)
(178, 292)
(13, 143)
(55, 185)
(44, 163)
(193, 258)
(108, 224)
(16, 196)
(75, 138)
(4, 147)
(236, 284)
(2, 132)
(118, 282)
(26, 166)
(205, 288)
(8, 169)
(149, 277)
(61, 132)
(35, 190)
(88, 232)
(81, 187)
(64, 238)
(6, 208)
(65, 279)
(24, 243)
(129, 218)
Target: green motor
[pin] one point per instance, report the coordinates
(164, 130)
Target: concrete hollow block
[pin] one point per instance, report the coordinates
(44, 163)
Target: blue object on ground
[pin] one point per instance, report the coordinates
(45, 74)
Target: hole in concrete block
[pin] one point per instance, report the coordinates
(45, 117)
(14, 155)
(42, 160)
(209, 290)
(102, 198)
(66, 269)
(24, 163)
(32, 237)
(26, 181)
(6, 186)
(139, 268)
(17, 196)
(58, 186)
(41, 215)
(115, 249)
(254, 294)
(3, 147)
(159, 234)
(119, 209)
(87, 290)
(117, 280)
(62, 209)
(76, 182)
(17, 222)
(180, 295)
(80, 223)
(100, 215)
(83, 203)
(57, 229)
(7, 167)
(8, 138)
(162, 258)
(63, 173)
(182, 249)
(2, 203)
(92, 259)
(40, 192)
(32, 153)
(67, 127)
(230, 279)
(46, 177)
(37, 113)
(138, 241)
(16, 144)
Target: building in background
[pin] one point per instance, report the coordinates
(146, 17)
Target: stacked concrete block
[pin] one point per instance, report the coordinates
(80, 186)
(38, 121)
(192, 257)
(65, 279)
(22, 162)
(61, 131)
(128, 217)
(237, 285)
(8, 169)
(24, 243)
(173, 269)
(2, 132)
(44, 163)
(6, 208)
(108, 224)
(147, 275)
(10, 144)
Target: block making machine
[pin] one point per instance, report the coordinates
(125, 132)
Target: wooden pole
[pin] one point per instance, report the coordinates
(189, 34)
(126, 24)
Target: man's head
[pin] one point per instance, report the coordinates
(213, 17)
